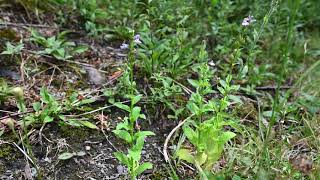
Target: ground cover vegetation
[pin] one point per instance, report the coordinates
(158, 89)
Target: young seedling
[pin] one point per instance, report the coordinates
(57, 46)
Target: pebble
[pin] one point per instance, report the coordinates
(120, 169)
(95, 76)
(147, 156)
(88, 148)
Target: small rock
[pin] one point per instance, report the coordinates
(120, 169)
(88, 148)
(94, 76)
(47, 160)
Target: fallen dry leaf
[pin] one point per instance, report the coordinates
(115, 75)
(302, 163)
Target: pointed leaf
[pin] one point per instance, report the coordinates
(48, 119)
(122, 158)
(190, 133)
(185, 154)
(88, 124)
(142, 168)
(226, 136)
(123, 134)
(201, 158)
(36, 106)
(136, 99)
(65, 156)
(193, 82)
(122, 106)
(135, 154)
(135, 114)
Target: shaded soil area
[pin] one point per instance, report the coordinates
(97, 163)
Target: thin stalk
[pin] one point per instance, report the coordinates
(275, 106)
(131, 66)
(27, 142)
(266, 18)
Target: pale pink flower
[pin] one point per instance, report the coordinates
(248, 20)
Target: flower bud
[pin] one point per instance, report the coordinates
(17, 92)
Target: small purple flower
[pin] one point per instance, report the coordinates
(124, 46)
(248, 20)
(136, 39)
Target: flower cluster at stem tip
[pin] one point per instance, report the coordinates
(248, 20)
(136, 39)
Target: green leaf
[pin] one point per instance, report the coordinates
(226, 136)
(221, 90)
(36, 106)
(88, 124)
(123, 125)
(223, 84)
(194, 83)
(201, 158)
(135, 153)
(139, 138)
(136, 99)
(48, 119)
(214, 2)
(244, 71)
(193, 108)
(122, 158)
(122, 106)
(143, 167)
(190, 133)
(45, 97)
(123, 134)
(65, 156)
(142, 116)
(143, 134)
(62, 117)
(80, 49)
(135, 114)
(185, 154)
(86, 101)
(73, 122)
(235, 99)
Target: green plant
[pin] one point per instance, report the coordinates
(93, 16)
(172, 55)
(49, 109)
(126, 129)
(46, 110)
(205, 127)
(13, 50)
(57, 46)
(166, 91)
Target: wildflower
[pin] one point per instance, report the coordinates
(136, 39)
(124, 46)
(248, 20)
